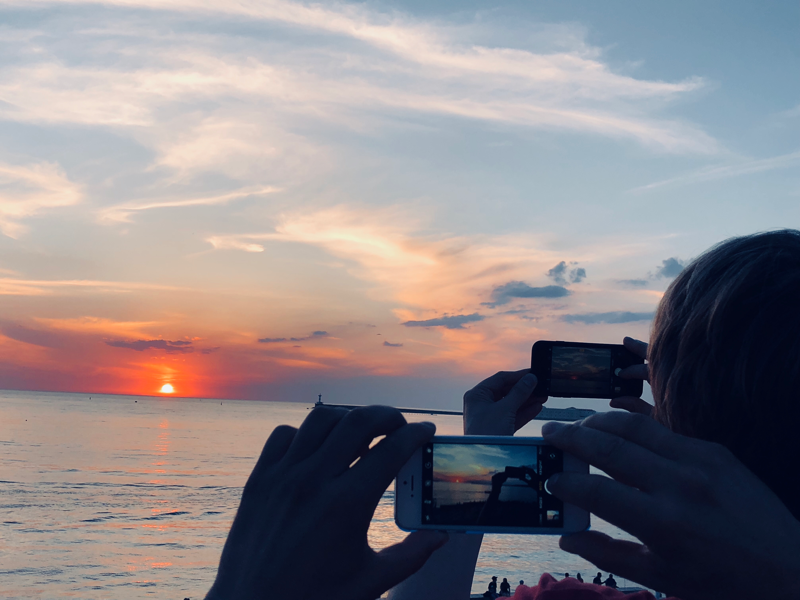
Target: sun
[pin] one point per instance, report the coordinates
(167, 388)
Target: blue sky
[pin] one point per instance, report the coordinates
(181, 179)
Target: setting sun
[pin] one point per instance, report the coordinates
(167, 389)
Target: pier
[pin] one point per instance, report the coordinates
(548, 414)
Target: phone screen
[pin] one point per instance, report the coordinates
(490, 485)
(575, 371)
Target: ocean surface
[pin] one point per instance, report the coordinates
(132, 497)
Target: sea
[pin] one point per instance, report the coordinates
(132, 497)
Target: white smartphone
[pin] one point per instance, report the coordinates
(486, 484)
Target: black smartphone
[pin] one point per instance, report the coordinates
(581, 370)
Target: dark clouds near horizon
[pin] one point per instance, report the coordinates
(449, 322)
(391, 345)
(176, 347)
(613, 317)
(503, 294)
(314, 335)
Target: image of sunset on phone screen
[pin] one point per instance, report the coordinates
(580, 370)
(491, 485)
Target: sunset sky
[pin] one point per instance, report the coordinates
(378, 202)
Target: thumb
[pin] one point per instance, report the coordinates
(398, 562)
(520, 393)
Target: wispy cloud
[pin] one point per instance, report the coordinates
(123, 212)
(399, 63)
(26, 190)
(713, 173)
(385, 247)
(39, 287)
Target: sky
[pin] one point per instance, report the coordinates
(377, 202)
(476, 463)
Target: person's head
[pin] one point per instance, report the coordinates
(566, 574)
(599, 574)
(494, 577)
(521, 582)
(725, 354)
(505, 580)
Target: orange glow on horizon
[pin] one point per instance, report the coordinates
(167, 389)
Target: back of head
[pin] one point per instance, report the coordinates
(725, 354)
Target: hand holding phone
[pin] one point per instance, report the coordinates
(309, 502)
(696, 508)
(581, 370)
(486, 484)
(502, 404)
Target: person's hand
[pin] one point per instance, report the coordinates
(711, 529)
(303, 519)
(501, 404)
(632, 403)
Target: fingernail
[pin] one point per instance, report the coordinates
(551, 481)
(529, 380)
(428, 425)
(551, 428)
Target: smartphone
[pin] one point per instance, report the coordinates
(579, 370)
(486, 484)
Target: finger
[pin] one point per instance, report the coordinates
(275, 448)
(638, 347)
(627, 559)
(633, 404)
(520, 393)
(371, 475)
(356, 431)
(646, 433)
(313, 432)
(636, 372)
(624, 460)
(396, 563)
(629, 509)
(495, 387)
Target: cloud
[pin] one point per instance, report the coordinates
(36, 337)
(390, 247)
(670, 268)
(210, 350)
(503, 294)
(176, 347)
(608, 317)
(123, 212)
(314, 335)
(449, 322)
(633, 282)
(391, 345)
(27, 190)
(366, 59)
(561, 272)
(10, 286)
(747, 167)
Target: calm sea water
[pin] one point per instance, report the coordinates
(132, 497)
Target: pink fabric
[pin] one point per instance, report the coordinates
(572, 589)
